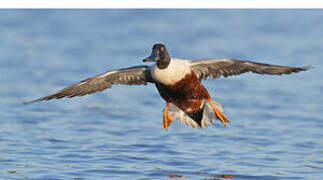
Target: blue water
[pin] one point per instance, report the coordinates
(276, 129)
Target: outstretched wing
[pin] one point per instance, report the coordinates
(136, 75)
(228, 67)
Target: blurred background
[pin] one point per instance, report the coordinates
(276, 121)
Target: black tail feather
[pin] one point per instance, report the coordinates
(197, 116)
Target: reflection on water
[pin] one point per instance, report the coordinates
(276, 124)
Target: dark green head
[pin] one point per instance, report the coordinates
(159, 55)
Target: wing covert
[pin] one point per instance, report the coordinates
(215, 68)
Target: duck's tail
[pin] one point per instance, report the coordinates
(197, 119)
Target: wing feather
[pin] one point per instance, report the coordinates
(215, 68)
(136, 75)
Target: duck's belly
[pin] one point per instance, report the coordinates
(187, 94)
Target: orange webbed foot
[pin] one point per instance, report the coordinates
(218, 114)
(166, 118)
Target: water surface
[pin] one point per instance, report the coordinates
(276, 121)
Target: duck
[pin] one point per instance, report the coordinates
(179, 83)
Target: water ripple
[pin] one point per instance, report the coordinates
(276, 125)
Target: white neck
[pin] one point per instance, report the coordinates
(176, 71)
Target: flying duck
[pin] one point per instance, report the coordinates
(178, 82)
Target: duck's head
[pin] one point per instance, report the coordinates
(159, 55)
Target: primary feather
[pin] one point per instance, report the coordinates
(136, 75)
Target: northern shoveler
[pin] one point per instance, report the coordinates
(178, 82)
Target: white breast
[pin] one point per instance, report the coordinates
(176, 71)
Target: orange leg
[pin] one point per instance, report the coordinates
(166, 118)
(218, 114)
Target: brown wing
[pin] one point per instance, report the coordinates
(228, 67)
(136, 75)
